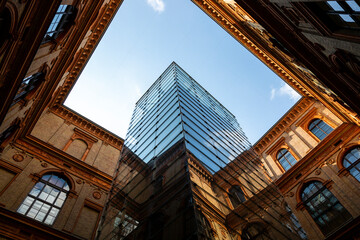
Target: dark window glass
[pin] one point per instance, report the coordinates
(255, 231)
(347, 11)
(63, 17)
(339, 14)
(285, 159)
(27, 85)
(352, 162)
(156, 226)
(45, 199)
(236, 196)
(324, 207)
(8, 132)
(319, 128)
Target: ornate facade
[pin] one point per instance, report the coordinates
(57, 166)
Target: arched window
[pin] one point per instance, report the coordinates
(285, 159)
(45, 199)
(255, 231)
(62, 19)
(352, 162)
(236, 196)
(319, 128)
(324, 207)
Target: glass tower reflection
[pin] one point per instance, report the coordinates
(176, 107)
(182, 149)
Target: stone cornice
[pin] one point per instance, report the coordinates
(283, 124)
(88, 126)
(318, 156)
(230, 24)
(106, 14)
(200, 170)
(62, 160)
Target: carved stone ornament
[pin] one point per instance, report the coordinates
(97, 195)
(18, 158)
(44, 164)
(330, 161)
(291, 194)
(78, 181)
(317, 171)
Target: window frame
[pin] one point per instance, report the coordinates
(46, 182)
(283, 155)
(322, 187)
(60, 23)
(355, 164)
(235, 196)
(313, 13)
(320, 121)
(28, 84)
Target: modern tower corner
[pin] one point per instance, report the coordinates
(184, 156)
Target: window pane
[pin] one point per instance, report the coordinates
(354, 6)
(334, 5)
(352, 162)
(43, 197)
(346, 17)
(324, 207)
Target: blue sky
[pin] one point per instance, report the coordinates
(145, 37)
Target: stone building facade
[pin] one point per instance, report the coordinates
(56, 166)
(315, 154)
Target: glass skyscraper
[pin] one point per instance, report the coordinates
(184, 157)
(176, 107)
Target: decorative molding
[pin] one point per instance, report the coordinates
(313, 160)
(284, 123)
(96, 195)
(18, 157)
(89, 140)
(88, 126)
(58, 158)
(200, 171)
(231, 24)
(106, 14)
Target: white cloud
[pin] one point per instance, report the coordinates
(157, 5)
(273, 92)
(285, 90)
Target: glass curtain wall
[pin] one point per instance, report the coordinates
(176, 106)
(178, 130)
